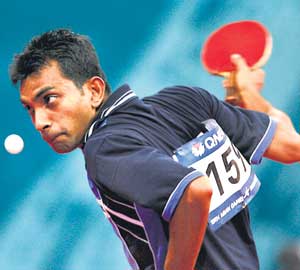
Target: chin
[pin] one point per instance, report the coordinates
(63, 149)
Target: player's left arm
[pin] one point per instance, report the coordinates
(188, 225)
(285, 146)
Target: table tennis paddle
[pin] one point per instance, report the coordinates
(248, 38)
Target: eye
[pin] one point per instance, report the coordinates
(49, 99)
(27, 107)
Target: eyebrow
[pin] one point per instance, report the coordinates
(42, 91)
(39, 93)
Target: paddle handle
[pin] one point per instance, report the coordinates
(233, 95)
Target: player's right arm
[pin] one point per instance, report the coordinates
(188, 225)
(285, 146)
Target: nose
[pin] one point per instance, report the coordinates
(41, 120)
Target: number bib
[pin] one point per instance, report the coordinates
(233, 180)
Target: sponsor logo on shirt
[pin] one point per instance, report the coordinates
(210, 142)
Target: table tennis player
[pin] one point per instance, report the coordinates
(158, 207)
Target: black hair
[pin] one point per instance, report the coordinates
(74, 53)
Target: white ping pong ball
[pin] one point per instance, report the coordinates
(14, 144)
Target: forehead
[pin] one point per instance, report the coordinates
(49, 76)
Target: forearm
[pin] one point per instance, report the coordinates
(188, 225)
(252, 100)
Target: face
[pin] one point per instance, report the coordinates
(59, 110)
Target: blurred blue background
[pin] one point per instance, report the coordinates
(49, 219)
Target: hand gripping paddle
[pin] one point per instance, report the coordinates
(250, 39)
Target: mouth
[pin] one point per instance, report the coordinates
(51, 139)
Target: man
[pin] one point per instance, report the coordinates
(158, 207)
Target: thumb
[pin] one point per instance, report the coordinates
(238, 61)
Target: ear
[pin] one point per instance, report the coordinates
(96, 88)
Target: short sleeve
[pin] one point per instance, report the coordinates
(142, 174)
(250, 131)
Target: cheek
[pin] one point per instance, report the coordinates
(75, 115)
(81, 120)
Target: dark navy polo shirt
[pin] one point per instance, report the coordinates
(128, 154)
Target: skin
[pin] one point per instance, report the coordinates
(59, 110)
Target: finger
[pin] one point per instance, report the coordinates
(261, 73)
(239, 61)
(225, 83)
(258, 77)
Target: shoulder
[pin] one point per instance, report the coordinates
(181, 94)
(103, 143)
(107, 147)
(182, 90)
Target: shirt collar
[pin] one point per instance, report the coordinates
(116, 99)
(121, 96)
